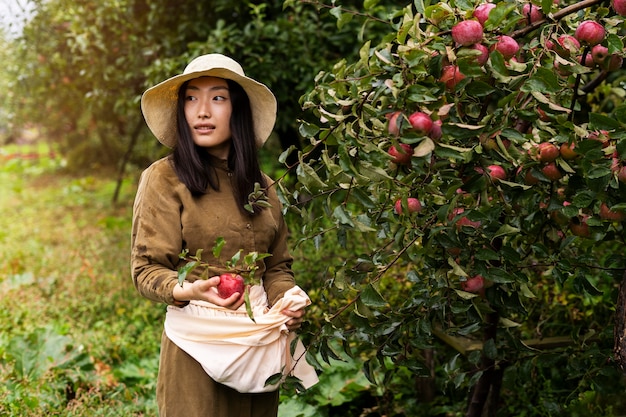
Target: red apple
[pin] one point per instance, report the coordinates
(547, 152)
(230, 284)
(463, 221)
(590, 33)
(607, 214)
(619, 6)
(565, 45)
(484, 53)
(507, 46)
(412, 203)
(599, 54)
(530, 179)
(401, 156)
(496, 172)
(451, 76)
(531, 13)
(393, 126)
(467, 32)
(621, 175)
(475, 284)
(552, 172)
(589, 62)
(420, 122)
(435, 130)
(613, 62)
(481, 13)
(567, 151)
(579, 226)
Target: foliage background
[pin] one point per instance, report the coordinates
(387, 303)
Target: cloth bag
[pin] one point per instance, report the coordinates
(236, 351)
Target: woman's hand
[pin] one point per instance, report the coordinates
(297, 317)
(204, 289)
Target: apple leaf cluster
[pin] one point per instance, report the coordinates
(235, 279)
(506, 129)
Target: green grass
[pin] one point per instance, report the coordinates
(76, 339)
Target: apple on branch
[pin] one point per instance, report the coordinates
(496, 172)
(401, 154)
(619, 6)
(421, 123)
(451, 75)
(467, 32)
(481, 12)
(532, 13)
(507, 46)
(412, 203)
(590, 33)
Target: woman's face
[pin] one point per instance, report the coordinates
(207, 110)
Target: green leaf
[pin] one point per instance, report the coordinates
(479, 89)
(372, 298)
(620, 113)
(506, 229)
(246, 297)
(614, 44)
(601, 122)
(217, 248)
(543, 81)
(184, 270)
(344, 218)
(308, 177)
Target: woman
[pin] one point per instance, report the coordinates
(215, 118)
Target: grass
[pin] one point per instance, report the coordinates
(76, 339)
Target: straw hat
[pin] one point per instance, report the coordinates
(158, 103)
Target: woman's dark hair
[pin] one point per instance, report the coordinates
(194, 166)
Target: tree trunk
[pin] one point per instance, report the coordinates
(129, 152)
(480, 393)
(425, 385)
(619, 331)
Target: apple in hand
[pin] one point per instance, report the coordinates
(230, 284)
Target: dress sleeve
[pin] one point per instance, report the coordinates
(156, 239)
(278, 276)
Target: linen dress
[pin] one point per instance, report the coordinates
(168, 219)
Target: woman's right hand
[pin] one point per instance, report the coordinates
(205, 290)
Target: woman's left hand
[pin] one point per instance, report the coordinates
(297, 317)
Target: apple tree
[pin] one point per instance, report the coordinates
(467, 178)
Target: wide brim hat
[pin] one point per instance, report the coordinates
(158, 103)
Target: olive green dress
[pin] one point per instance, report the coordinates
(168, 219)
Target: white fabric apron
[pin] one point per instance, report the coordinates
(234, 350)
